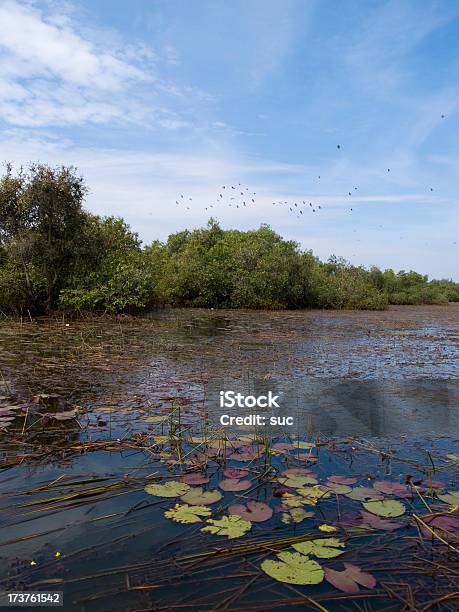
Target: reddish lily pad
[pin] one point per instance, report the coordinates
(298, 472)
(256, 512)
(444, 525)
(234, 484)
(344, 480)
(376, 522)
(195, 478)
(235, 473)
(393, 488)
(349, 579)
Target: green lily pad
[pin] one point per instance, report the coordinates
(295, 515)
(453, 457)
(183, 513)
(295, 501)
(196, 496)
(293, 568)
(386, 507)
(324, 548)
(451, 498)
(173, 488)
(154, 419)
(231, 526)
(339, 489)
(315, 492)
(296, 482)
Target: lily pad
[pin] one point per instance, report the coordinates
(183, 513)
(325, 548)
(235, 473)
(256, 512)
(364, 493)
(393, 488)
(377, 522)
(315, 492)
(444, 525)
(298, 472)
(173, 488)
(195, 478)
(296, 482)
(296, 501)
(231, 526)
(344, 480)
(293, 568)
(339, 489)
(451, 498)
(234, 484)
(198, 497)
(453, 457)
(387, 507)
(348, 580)
(327, 528)
(296, 515)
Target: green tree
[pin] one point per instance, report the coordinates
(42, 224)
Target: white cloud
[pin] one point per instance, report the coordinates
(54, 49)
(52, 72)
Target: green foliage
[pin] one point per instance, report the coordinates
(41, 229)
(413, 288)
(340, 285)
(55, 254)
(113, 276)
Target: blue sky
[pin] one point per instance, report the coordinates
(151, 99)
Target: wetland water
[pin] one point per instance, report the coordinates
(93, 411)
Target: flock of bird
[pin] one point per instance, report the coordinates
(240, 196)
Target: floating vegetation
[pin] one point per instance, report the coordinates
(293, 568)
(350, 578)
(183, 513)
(325, 548)
(168, 489)
(254, 511)
(197, 496)
(232, 526)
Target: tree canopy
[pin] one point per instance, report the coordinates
(54, 254)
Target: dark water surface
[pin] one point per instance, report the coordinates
(389, 380)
